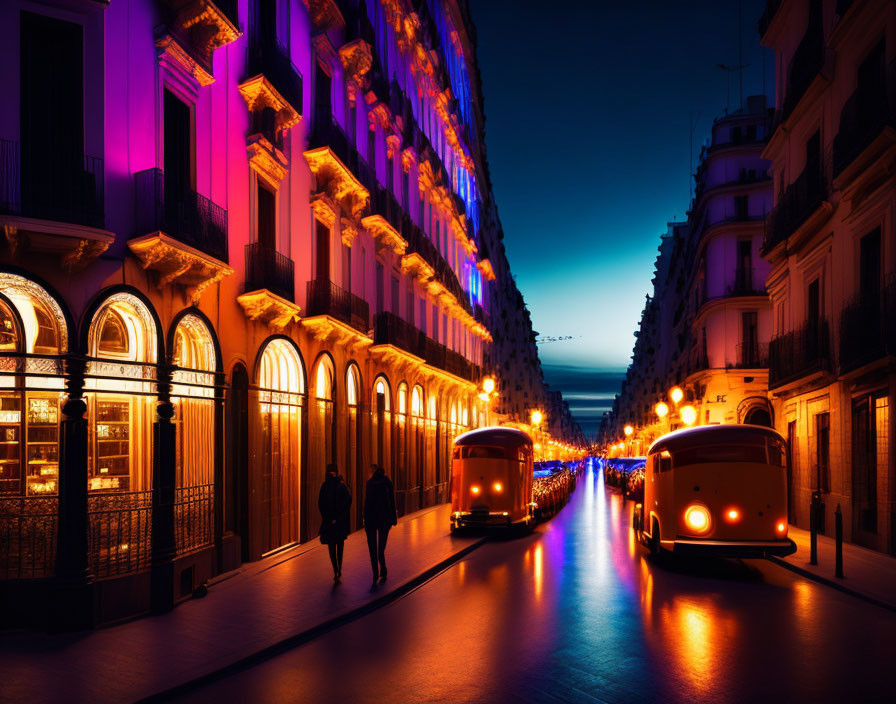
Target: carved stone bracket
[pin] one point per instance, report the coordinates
(178, 263)
(340, 183)
(414, 265)
(268, 161)
(181, 61)
(385, 235)
(207, 27)
(260, 94)
(356, 59)
(76, 245)
(324, 14)
(403, 361)
(485, 266)
(269, 308)
(349, 231)
(325, 328)
(324, 208)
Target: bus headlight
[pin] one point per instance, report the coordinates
(697, 518)
(497, 487)
(474, 490)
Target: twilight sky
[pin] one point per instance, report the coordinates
(588, 107)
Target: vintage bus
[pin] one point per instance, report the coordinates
(717, 490)
(491, 479)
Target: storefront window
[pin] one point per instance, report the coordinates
(322, 429)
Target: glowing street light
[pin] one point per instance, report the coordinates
(628, 430)
(662, 409)
(676, 394)
(688, 415)
(537, 417)
(488, 385)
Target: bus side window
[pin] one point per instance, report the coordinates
(457, 451)
(665, 461)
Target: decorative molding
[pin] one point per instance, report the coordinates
(179, 61)
(76, 245)
(356, 60)
(260, 94)
(485, 267)
(267, 161)
(325, 328)
(324, 14)
(348, 231)
(178, 263)
(269, 308)
(415, 265)
(205, 22)
(340, 183)
(324, 209)
(385, 235)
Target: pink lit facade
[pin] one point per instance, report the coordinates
(241, 240)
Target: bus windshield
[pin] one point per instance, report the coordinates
(769, 452)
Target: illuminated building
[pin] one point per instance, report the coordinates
(830, 244)
(241, 239)
(702, 344)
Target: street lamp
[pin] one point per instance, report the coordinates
(488, 385)
(628, 431)
(537, 417)
(688, 415)
(489, 389)
(661, 409)
(676, 394)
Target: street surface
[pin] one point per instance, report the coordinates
(577, 612)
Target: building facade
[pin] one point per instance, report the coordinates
(830, 244)
(241, 241)
(707, 326)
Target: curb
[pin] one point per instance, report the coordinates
(839, 586)
(320, 629)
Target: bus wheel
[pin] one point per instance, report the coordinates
(654, 542)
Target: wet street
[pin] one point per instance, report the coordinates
(577, 612)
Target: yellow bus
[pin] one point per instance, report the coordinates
(716, 490)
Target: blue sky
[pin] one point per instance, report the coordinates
(588, 111)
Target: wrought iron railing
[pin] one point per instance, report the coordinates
(266, 268)
(752, 356)
(119, 532)
(439, 356)
(867, 329)
(194, 514)
(70, 190)
(270, 58)
(181, 213)
(744, 285)
(326, 298)
(799, 353)
(802, 198)
(863, 118)
(392, 330)
(28, 526)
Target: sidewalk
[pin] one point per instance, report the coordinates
(279, 601)
(867, 574)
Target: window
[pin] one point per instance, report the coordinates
(267, 218)
(813, 302)
(322, 268)
(395, 287)
(740, 207)
(822, 478)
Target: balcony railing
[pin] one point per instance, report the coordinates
(799, 353)
(802, 198)
(864, 116)
(326, 298)
(181, 213)
(69, 190)
(751, 356)
(439, 356)
(807, 62)
(744, 284)
(270, 58)
(267, 269)
(867, 330)
(392, 330)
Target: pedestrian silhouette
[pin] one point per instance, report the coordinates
(379, 517)
(334, 502)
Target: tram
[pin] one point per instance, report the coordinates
(716, 490)
(491, 479)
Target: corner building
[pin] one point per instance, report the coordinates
(831, 244)
(241, 239)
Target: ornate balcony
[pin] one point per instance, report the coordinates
(196, 29)
(331, 158)
(751, 356)
(270, 287)
(327, 299)
(179, 234)
(324, 14)
(798, 354)
(867, 128)
(57, 210)
(440, 357)
(867, 330)
(808, 61)
(282, 82)
(803, 203)
(744, 284)
(398, 341)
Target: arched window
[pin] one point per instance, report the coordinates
(453, 414)
(323, 385)
(433, 405)
(281, 388)
(122, 394)
(352, 385)
(193, 394)
(417, 401)
(322, 435)
(381, 435)
(403, 399)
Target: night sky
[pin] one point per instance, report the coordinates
(588, 109)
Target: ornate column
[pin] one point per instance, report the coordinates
(164, 547)
(73, 595)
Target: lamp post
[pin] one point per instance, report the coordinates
(536, 417)
(489, 390)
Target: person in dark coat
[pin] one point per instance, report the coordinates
(379, 517)
(334, 503)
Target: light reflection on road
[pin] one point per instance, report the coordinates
(578, 612)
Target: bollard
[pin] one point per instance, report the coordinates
(838, 528)
(813, 529)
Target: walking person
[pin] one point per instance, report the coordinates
(379, 517)
(334, 502)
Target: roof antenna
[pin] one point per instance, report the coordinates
(740, 66)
